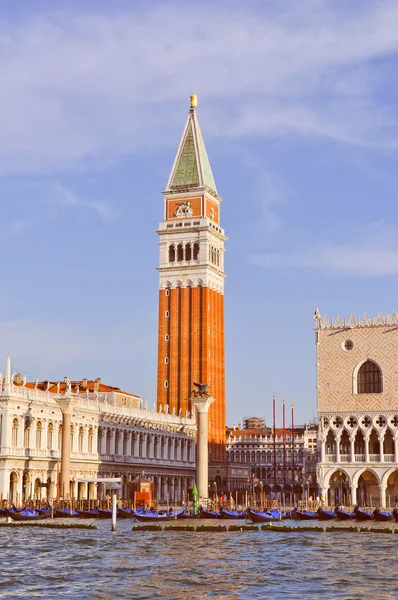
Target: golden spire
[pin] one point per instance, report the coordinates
(194, 100)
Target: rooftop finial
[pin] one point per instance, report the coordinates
(194, 100)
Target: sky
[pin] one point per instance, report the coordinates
(298, 109)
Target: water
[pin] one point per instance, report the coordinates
(99, 565)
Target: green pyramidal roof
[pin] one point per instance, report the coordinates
(191, 167)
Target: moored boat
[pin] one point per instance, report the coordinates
(303, 515)
(395, 514)
(65, 513)
(125, 513)
(325, 515)
(208, 514)
(362, 515)
(104, 514)
(344, 515)
(25, 515)
(260, 517)
(149, 515)
(381, 515)
(87, 514)
(232, 514)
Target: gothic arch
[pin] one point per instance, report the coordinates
(386, 475)
(357, 474)
(326, 481)
(355, 373)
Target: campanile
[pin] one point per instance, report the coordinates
(191, 286)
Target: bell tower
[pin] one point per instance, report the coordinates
(191, 286)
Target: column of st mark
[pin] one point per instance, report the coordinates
(191, 286)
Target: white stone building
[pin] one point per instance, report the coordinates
(111, 435)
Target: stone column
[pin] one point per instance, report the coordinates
(353, 494)
(179, 493)
(136, 443)
(202, 468)
(338, 448)
(66, 404)
(322, 450)
(381, 457)
(367, 449)
(152, 446)
(352, 448)
(383, 502)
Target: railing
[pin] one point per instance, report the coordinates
(359, 458)
(389, 458)
(330, 458)
(374, 457)
(345, 458)
(145, 460)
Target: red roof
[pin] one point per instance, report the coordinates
(52, 386)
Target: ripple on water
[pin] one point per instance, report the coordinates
(105, 566)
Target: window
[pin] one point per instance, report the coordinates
(166, 337)
(15, 427)
(348, 345)
(39, 430)
(167, 292)
(166, 360)
(369, 379)
(172, 253)
(167, 314)
(180, 253)
(90, 440)
(188, 252)
(81, 439)
(196, 251)
(166, 384)
(50, 436)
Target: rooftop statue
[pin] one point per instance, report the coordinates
(202, 389)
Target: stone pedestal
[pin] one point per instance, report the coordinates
(202, 404)
(66, 404)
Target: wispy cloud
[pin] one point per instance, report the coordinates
(58, 193)
(78, 87)
(374, 254)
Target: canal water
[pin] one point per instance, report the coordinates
(96, 564)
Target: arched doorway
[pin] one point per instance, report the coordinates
(368, 493)
(13, 487)
(392, 489)
(339, 489)
(26, 492)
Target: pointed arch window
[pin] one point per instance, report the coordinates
(369, 378)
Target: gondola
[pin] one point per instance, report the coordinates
(208, 514)
(87, 514)
(149, 516)
(104, 514)
(260, 517)
(125, 513)
(25, 515)
(395, 514)
(65, 513)
(303, 515)
(325, 515)
(381, 515)
(344, 515)
(362, 515)
(232, 514)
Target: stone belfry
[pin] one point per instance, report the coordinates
(191, 286)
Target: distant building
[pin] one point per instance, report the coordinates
(252, 461)
(113, 434)
(253, 423)
(357, 382)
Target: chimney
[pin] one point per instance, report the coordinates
(238, 426)
(97, 384)
(84, 383)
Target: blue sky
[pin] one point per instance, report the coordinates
(297, 104)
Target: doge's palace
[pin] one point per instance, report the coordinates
(357, 389)
(112, 434)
